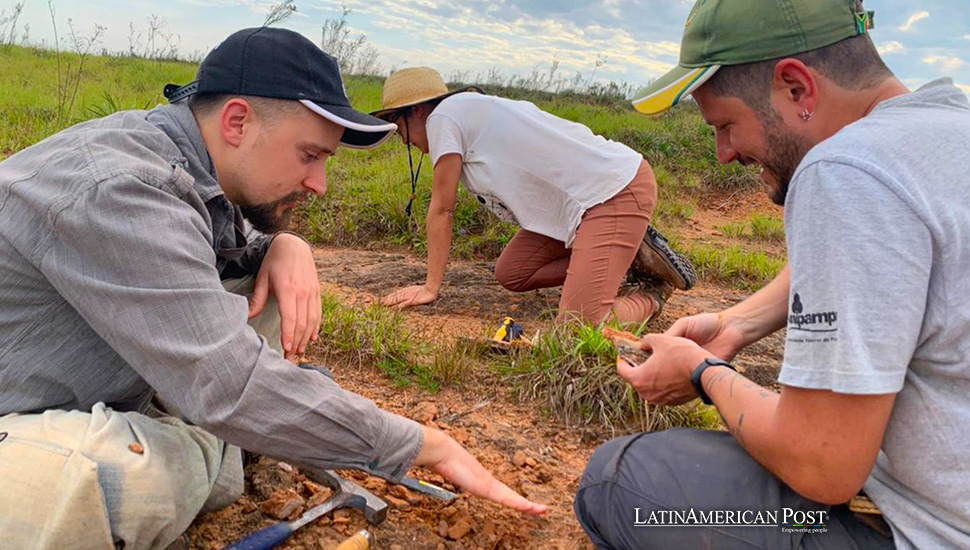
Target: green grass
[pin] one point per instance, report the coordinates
(734, 265)
(767, 228)
(28, 91)
(374, 335)
(762, 228)
(735, 230)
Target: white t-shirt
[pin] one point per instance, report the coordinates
(878, 225)
(527, 166)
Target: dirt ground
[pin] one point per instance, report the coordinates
(515, 441)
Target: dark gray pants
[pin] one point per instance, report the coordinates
(632, 477)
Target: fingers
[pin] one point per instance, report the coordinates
(288, 308)
(447, 457)
(502, 494)
(649, 341)
(260, 295)
(625, 369)
(316, 314)
(679, 328)
(302, 331)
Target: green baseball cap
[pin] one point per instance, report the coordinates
(732, 32)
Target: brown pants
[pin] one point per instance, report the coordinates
(591, 271)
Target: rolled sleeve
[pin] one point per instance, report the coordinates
(135, 261)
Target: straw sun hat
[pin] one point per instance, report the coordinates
(409, 87)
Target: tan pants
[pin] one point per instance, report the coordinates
(104, 479)
(591, 271)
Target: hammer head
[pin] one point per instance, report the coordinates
(375, 509)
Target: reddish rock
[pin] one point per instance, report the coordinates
(373, 483)
(319, 498)
(136, 448)
(519, 459)
(398, 503)
(282, 503)
(341, 517)
(459, 529)
(425, 412)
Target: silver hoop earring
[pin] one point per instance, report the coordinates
(807, 115)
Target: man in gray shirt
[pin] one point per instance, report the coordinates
(117, 236)
(876, 377)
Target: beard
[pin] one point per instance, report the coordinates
(271, 217)
(784, 151)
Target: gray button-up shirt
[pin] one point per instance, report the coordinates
(114, 235)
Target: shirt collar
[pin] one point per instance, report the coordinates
(178, 122)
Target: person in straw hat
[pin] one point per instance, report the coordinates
(584, 202)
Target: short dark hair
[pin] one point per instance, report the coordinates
(269, 109)
(853, 64)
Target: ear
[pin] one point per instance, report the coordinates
(794, 88)
(235, 120)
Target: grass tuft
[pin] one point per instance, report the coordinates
(734, 265)
(571, 371)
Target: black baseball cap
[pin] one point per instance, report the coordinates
(282, 64)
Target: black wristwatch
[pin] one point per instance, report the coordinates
(695, 378)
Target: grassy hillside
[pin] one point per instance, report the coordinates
(368, 190)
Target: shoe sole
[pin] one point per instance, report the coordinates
(655, 256)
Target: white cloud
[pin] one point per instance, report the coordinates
(947, 63)
(965, 88)
(891, 48)
(913, 19)
(523, 44)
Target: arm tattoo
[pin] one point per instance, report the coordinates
(736, 431)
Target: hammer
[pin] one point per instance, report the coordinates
(347, 495)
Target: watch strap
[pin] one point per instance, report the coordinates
(695, 377)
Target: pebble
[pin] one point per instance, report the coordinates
(136, 448)
(341, 517)
(459, 529)
(373, 483)
(531, 462)
(519, 459)
(396, 502)
(425, 412)
(285, 467)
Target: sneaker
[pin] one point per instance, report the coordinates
(656, 257)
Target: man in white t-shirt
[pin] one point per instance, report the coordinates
(875, 384)
(584, 202)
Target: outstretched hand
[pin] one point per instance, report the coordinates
(447, 457)
(410, 296)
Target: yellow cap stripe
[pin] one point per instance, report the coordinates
(671, 95)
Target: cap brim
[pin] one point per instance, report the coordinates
(669, 89)
(361, 131)
(384, 114)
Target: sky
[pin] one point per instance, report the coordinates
(625, 41)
